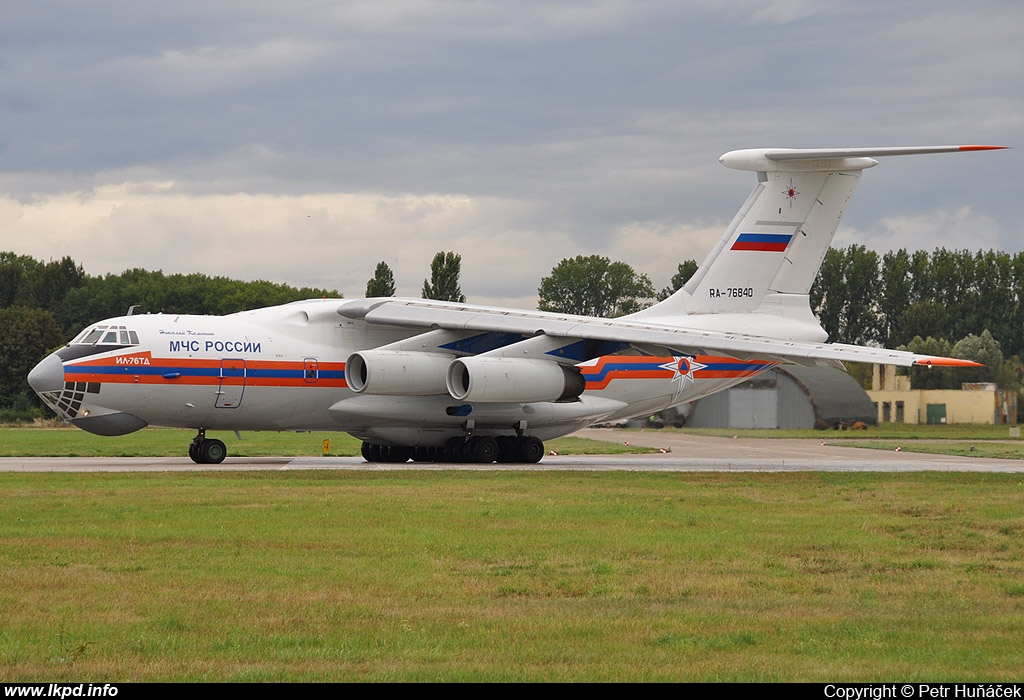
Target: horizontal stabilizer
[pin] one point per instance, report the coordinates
(816, 153)
(828, 159)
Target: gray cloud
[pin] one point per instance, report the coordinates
(563, 129)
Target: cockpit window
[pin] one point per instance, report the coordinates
(107, 335)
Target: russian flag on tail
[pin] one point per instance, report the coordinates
(763, 242)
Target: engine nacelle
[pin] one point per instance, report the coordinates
(396, 373)
(504, 379)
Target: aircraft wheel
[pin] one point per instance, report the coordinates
(193, 452)
(506, 448)
(454, 450)
(483, 449)
(398, 454)
(428, 454)
(212, 451)
(372, 452)
(531, 450)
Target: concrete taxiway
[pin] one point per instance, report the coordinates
(682, 453)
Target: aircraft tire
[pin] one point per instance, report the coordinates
(482, 449)
(455, 450)
(506, 448)
(212, 451)
(449, 449)
(530, 450)
(372, 452)
(398, 454)
(193, 453)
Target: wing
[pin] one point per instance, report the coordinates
(427, 314)
(756, 280)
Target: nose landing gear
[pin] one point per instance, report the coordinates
(203, 450)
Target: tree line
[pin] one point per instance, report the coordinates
(863, 297)
(956, 303)
(43, 304)
(949, 303)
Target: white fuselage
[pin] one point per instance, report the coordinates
(283, 368)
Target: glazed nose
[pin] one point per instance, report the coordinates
(48, 375)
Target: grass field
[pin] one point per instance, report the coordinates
(445, 576)
(509, 576)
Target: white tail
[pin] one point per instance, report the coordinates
(770, 254)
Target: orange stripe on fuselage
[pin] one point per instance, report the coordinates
(142, 368)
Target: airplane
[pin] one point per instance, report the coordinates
(425, 380)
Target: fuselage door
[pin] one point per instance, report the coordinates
(232, 383)
(310, 371)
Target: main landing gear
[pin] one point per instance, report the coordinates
(205, 450)
(479, 449)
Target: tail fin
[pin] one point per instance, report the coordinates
(775, 244)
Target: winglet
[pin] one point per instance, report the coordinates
(945, 362)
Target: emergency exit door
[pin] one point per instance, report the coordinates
(232, 383)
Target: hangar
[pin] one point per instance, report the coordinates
(788, 397)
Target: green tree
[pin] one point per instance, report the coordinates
(979, 348)
(1013, 343)
(55, 280)
(925, 318)
(383, 282)
(992, 304)
(15, 274)
(25, 281)
(594, 286)
(1008, 376)
(155, 292)
(26, 338)
(930, 377)
(894, 293)
(860, 318)
(827, 295)
(844, 292)
(684, 271)
(443, 284)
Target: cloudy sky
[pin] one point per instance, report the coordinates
(303, 142)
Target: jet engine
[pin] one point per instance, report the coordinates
(396, 373)
(510, 380)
